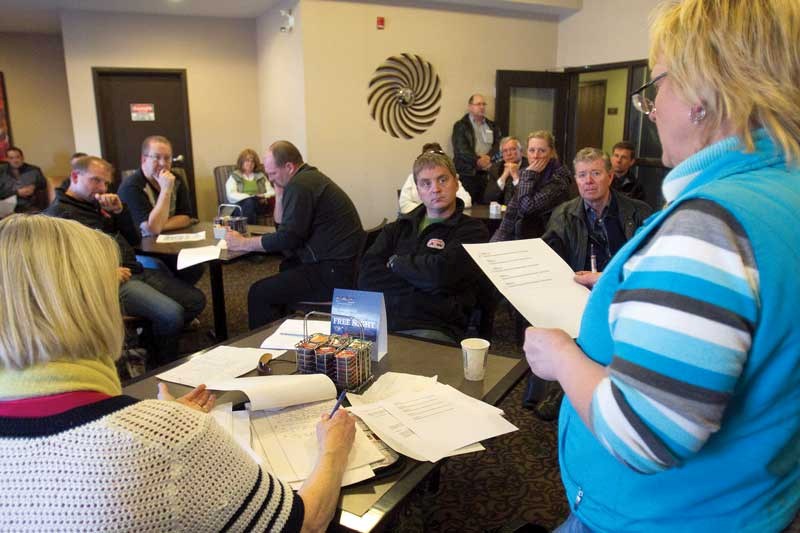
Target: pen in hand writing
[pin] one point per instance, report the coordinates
(338, 403)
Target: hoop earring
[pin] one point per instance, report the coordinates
(697, 114)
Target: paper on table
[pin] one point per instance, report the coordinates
(275, 392)
(288, 439)
(215, 364)
(181, 237)
(237, 425)
(537, 282)
(291, 332)
(389, 384)
(192, 256)
(441, 420)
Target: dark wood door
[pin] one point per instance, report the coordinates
(559, 86)
(135, 103)
(591, 115)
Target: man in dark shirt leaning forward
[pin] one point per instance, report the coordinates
(320, 234)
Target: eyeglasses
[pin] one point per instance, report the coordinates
(160, 158)
(426, 152)
(641, 101)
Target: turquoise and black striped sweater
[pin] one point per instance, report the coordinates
(697, 427)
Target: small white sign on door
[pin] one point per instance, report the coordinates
(143, 112)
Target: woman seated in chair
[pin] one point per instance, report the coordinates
(78, 455)
(542, 186)
(249, 188)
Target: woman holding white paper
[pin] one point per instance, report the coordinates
(77, 455)
(682, 408)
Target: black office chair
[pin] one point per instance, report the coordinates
(325, 307)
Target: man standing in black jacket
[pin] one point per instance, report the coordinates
(166, 301)
(320, 233)
(428, 280)
(476, 140)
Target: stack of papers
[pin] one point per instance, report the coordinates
(215, 365)
(429, 423)
(291, 332)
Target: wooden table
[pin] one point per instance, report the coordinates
(149, 246)
(383, 497)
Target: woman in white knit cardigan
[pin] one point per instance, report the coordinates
(75, 454)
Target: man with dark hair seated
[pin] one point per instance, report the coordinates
(623, 157)
(23, 181)
(428, 280)
(166, 301)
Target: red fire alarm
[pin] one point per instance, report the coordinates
(380, 23)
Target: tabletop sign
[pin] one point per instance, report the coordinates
(366, 307)
(143, 112)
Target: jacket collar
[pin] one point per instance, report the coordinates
(416, 215)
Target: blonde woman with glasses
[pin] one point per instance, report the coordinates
(682, 409)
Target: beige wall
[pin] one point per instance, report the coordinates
(604, 31)
(616, 96)
(220, 59)
(33, 66)
(281, 78)
(342, 49)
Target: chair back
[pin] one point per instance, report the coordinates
(221, 175)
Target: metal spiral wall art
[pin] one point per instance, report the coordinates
(404, 96)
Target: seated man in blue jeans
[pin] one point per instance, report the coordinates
(166, 301)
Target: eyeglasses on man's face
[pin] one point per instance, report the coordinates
(643, 98)
(163, 159)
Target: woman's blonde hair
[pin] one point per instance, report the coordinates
(740, 59)
(59, 292)
(547, 136)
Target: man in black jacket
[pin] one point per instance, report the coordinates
(476, 140)
(24, 181)
(166, 301)
(588, 230)
(428, 280)
(320, 234)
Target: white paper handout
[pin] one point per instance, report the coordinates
(214, 365)
(181, 237)
(276, 392)
(237, 425)
(289, 443)
(291, 332)
(192, 256)
(537, 282)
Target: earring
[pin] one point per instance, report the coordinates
(697, 114)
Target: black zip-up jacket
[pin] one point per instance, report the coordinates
(433, 282)
(320, 222)
(463, 139)
(568, 235)
(120, 227)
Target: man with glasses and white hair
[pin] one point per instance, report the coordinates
(418, 262)
(504, 175)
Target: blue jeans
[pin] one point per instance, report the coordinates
(572, 525)
(190, 275)
(167, 302)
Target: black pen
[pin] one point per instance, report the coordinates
(338, 403)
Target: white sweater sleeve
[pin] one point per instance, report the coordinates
(233, 195)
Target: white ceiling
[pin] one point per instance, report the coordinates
(42, 16)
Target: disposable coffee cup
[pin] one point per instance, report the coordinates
(494, 209)
(475, 352)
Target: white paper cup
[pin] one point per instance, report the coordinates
(475, 352)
